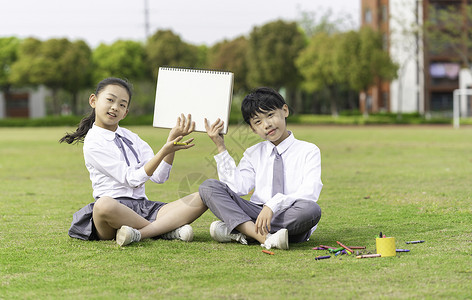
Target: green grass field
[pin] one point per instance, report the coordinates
(412, 183)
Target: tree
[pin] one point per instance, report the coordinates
(405, 47)
(41, 63)
(76, 62)
(8, 55)
(317, 64)
(272, 51)
(124, 59)
(231, 56)
(363, 59)
(313, 22)
(322, 78)
(165, 48)
(55, 63)
(448, 29)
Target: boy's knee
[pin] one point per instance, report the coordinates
(207, 188)
(316, 213)
(310, 211)
(104, 206)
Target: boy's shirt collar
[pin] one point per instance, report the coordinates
(283, 146)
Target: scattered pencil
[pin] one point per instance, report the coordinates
(368, 255)
(402, 250)
(414, 242)
(318, 248)
(327, 247)
(357, 247)
(322, 257)
(341, 252)
(345, 247)
(268, 252)
(335, 250)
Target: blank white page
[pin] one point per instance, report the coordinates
(201, 93)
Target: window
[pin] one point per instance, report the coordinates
(367, 15)
(441, 101)
(384, 13)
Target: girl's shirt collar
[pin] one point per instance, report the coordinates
(107, 134)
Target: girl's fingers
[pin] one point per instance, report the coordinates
(189, 121)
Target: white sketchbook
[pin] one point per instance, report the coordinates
(201, 93)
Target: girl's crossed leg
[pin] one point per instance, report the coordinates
(109, 215)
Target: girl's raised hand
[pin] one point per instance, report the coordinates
(184, 126)
(177, 144)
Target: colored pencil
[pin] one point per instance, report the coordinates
(345, 247)
(368, 255)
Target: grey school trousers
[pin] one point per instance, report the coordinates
(234, 210)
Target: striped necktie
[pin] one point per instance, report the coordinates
(278, 174)
(118, 141)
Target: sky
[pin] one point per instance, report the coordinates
(197, 22)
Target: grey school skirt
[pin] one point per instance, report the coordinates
(82, 226)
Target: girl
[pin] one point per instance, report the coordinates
(120, 163)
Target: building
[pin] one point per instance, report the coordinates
(23, 103)
(427, 76)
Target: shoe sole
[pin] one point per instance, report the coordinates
(213, 227)
(121, 237)
(284, 242)
(186, 233)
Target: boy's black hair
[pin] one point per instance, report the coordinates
(87, 122)
(260, 100)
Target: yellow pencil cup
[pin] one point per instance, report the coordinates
(386, 246)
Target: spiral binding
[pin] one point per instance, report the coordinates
(195, 70)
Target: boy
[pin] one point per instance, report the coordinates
(284, 172)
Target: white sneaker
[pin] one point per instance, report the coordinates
(277, 240)
(127, 235)
(219, 232)
(184, 233)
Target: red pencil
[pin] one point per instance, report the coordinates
(345, 247)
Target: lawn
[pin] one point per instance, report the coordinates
(410, 182)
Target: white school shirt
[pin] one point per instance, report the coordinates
(110, 174)
(302, 173)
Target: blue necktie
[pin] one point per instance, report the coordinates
(278, 175)
(118, 141)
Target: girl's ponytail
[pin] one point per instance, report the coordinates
(79, 135)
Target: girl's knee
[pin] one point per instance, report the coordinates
(104, 206)
(194, 200)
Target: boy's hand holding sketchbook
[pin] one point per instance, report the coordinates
(201, 93)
